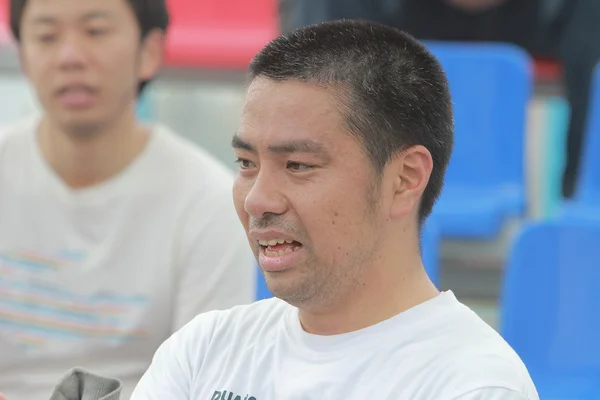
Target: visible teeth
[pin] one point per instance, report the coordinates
(274, 242)
(273, 253)
(284, 252)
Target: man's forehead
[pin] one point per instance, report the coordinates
(46, 10)
(291, 96)
(283, 118)
(277, 113)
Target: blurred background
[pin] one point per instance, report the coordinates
(506, 232)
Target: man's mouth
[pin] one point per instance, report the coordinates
(77, 96)
(278, 247)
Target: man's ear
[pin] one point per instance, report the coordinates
(411, 170)
(151, 54)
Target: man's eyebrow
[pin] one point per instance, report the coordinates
(238, 143)
(51, 20)
(44, 20)
(97, 15)
(298, 146)
(287, 147)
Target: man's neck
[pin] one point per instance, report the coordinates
(83, 161)
(384, 292)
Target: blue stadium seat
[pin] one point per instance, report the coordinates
(145, 107)
(262, 291)
(430, 250)
(549, 306)
(586, 202)
(491, 85)
(430, 255)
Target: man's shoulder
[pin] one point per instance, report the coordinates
(480, 369)
(188, 159)
(233, 328)
(14, 131)
(188, 172)
(474, 356)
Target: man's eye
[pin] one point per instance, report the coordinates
(96, 31)
(298, 167)
(244, 164)
(46, 38)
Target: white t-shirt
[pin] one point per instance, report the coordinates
(439, 350)
(100, 277)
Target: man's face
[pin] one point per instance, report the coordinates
(305, 193)
(85, 59)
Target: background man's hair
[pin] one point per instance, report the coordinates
(393, 91)
(150, 15)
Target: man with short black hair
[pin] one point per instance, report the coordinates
(345, 136)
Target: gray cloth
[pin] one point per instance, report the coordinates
(551, 9)
(80, 384)
(297, 13)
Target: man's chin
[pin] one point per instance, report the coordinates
(289, 287)
(82, 127)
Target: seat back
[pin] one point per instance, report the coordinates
(5, 34)
(588, 188)
(430, 249)
(551, 296)
(227, 14)
(219, 33)
(262, 291)
(491, 85)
